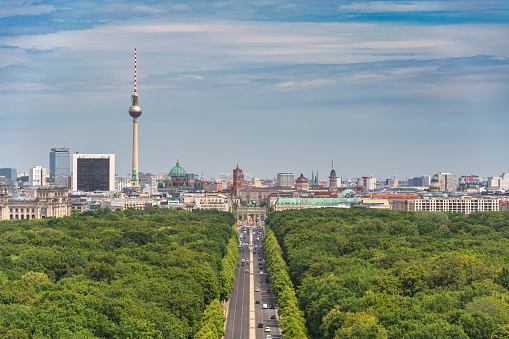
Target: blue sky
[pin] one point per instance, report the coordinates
(380, 87)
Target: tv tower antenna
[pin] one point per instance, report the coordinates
(135, 112)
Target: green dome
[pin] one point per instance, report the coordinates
(178, 171)
(435, 178)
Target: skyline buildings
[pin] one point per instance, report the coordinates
(372, 77)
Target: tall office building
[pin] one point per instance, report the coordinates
(37, 176)
(448, 182)
(93, 172)
(135, 112)
(10, 173)
(59, 166)
(285, 180)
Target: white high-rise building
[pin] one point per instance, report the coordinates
(37, 176)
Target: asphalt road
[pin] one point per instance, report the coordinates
(240, 322)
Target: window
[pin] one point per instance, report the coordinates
(17, 217)
(11, 211)
(33, 210)
(43, 210)
(33, 216)
(22, 216)
(11, 214)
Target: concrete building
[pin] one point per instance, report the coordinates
(421, 181)
(93, 172)
(448, 182)
(37, 176)
(50, 202)
(285, 180)
(502, 182)
(456, 205)
(59, 166)
(282, 204)
(220, 202)
(10, 173)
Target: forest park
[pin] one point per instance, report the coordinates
(117, 274)
(363, 273)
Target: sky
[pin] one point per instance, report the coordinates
(383, 88)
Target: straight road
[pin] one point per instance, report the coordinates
(246, 312)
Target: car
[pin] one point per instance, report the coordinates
(267, 329)
(243, 260)
(259, 258)
(247, 270)
(268, 336)
(273, 316)
(264, 306)
(247, 261)
(268, 290)
(242, 264)
(261, 272)
(272, 307)
(257, 301)
(257, 289)
(260, 263)
(238, 265)
(260, 325)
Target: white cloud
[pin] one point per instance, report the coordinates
(23, 7)
(393, 6)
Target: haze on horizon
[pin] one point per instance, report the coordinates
(380, 87)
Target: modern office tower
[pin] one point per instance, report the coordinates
(10, 173)
(285, 180)
(421, 181)
(135, 112)
(93, 172)
(59, 166)
(37, 176)
(448, 182)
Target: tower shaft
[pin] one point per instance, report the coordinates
(135, 176)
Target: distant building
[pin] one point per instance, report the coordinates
(434, 185)
(501, 182)
(333, 181)
(93, 172)
(456, 205)
(422, 181)
(285, 180)
(448, 182)
(220, 202)
(237, 180)
(301, 184)
(282, 204)
(49, 202)
(37, 176)
(9, 173)
(368, 183)
(59, 166)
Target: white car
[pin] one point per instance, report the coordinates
(267, 329)
(268, 336)
(257, 289)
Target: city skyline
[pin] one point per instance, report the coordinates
(380, 87)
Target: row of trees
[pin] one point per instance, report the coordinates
(291, 317)
(364, 273)
(115, 274)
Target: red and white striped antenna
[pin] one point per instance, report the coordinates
(135, 93)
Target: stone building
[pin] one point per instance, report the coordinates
(49, 202)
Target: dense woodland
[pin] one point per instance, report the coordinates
(362, 273)
(112, 274)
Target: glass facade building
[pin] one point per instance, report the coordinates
(10, 173)
(59, 165)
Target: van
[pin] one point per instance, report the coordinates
(264, 306)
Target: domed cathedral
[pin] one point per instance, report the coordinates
(178, 179)
(434, 184)
(178, 175)
(301, 184)
(333, 181)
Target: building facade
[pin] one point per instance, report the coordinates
(220, 202)
(285, 180)
(456, 205)
(10, 173)
(37, 176)
(93, 172)
(50, 202)
(59, 166)
(448, 182)
(237, 180)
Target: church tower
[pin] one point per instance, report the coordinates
(333, 181)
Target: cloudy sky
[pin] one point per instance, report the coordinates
(380, 87)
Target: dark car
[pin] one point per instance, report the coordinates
(257, 301)
(260, 325)
(273, 316)
(260, 263)
(238, 265)
(242, 264)
(272, 307)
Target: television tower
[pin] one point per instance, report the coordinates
(135, 112)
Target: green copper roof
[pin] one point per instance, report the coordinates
(178, 171)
